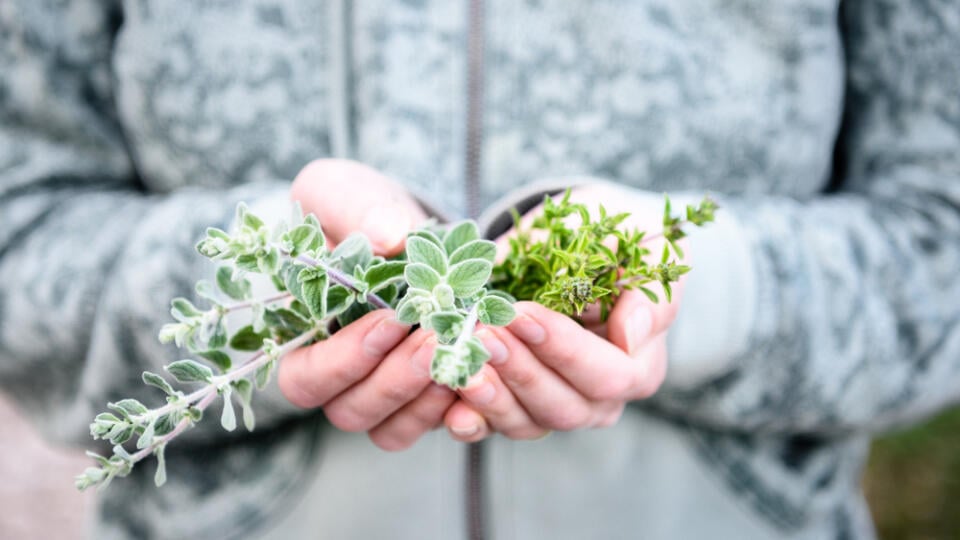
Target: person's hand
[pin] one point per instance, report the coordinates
(365, 376)
(547, 372)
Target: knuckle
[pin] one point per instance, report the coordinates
(566, 419)
(611, 389)
(519, 379)
(346, 418)
(389, 441)
(394, 394)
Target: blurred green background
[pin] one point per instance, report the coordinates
(913, 481)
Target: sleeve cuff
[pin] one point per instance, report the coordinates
(715, 319)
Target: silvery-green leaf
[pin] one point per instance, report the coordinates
(315, 295)
(460, 234)
(289, 273)
(269, 263)
(444, 296)
(128, 407)
(421, 276)
(164, 425)
(146, 437)
(157, 382)
(160, 478)
(183, 310)
(449, 366)
(219, 337)
(427, 235)
(495, 311)
(477, 357)
(262, 375)
(382, 274)
(217, 358)
(244, 391)
(447, 325)
(476, 249)
(305, 238)
(246, 339)
(354, 311)
(252, 221)
(339, 299)
(468, 277)
(355, 250)
(189, 371)
(420, 250)
(205, 290)
(407, 312)
(238, 290)
(228, 418)
(247, 262)
(287, 320)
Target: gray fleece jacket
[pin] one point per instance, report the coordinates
(823, 307)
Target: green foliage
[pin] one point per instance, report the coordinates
(441, 282)
(568, 268)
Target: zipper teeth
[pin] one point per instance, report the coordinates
(471, 177)
(474, 128)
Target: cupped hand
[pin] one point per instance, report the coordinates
(366, 376)
(549, 372)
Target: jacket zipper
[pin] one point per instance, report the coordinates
(475, 511)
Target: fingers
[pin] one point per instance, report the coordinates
(347, 196)
(406, 426)
(635, 319)
(465, 424)
(488, 395)
(396, 381)
(598, 369)
(311, 376)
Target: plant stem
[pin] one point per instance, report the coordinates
(249, 303)
(468, 325)
(246, 368)
(341, 278)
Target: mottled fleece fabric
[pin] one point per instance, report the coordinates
(823, 307)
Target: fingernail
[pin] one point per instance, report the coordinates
(528, 330)
(496, 348)
(386, 226)
(422, 359)
(465, 431)
(638, 327)
(479, 390)
(384, 336)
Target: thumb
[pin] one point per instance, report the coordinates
(347, 197)
(635, 319)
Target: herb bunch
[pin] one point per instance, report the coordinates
(445, 282)
(571, 268)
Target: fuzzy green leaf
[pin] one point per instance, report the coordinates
(421, 276)
(447, 325)
(157, 381)
(246, 339)
(160, 478)
(355, 250)
(384, 273)
(305, 238)
(238, 290)
(128, 407)
(315, 295)
(183, 310)
(244, 390)
(189, 371)
(476, 249)
(459, 234)
(468, 277)
(217, 358)
(495, 311)
(420, 250)
(228, 417)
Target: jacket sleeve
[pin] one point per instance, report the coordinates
(848, 318)
(89, 260)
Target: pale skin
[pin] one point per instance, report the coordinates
(546, 372)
